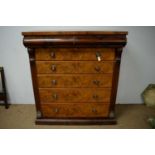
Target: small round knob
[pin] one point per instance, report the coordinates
(94, 110)
(95, 97)
(53, 54)
(97, 82)
(53, 68)
(97, 68)
(56, 110)
(54, 82)
(55, 96)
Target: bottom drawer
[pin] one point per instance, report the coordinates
(75, 110)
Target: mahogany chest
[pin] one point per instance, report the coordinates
(75, 75)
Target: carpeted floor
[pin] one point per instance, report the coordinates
(23, 117)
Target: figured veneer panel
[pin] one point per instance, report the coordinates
(74, 80)
(71, 95)
(73, 67)
(75, 110)
(74, 53)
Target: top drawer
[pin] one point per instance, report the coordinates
(74, 53)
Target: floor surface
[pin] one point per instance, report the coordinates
(129, 116)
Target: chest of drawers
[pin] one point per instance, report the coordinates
(75, 75)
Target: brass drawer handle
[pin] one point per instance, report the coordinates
(98, 56)
(56, 110)
(55, 96)
(53, 68)
(53, 54)
(95, 97)
(97, 68)
(96, 82)
(54, 82)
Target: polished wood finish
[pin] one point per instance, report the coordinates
(74, 67)
(76, 121)
(75, 110)
(31, 52)
(77, 95)
(75, 75)
(69, 53)
(74, 80)
(74, 39)
(74, 33)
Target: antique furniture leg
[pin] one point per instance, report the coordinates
(4, 94)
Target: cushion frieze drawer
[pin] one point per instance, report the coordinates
(72, 67)
(76, 95)
(74, 53)
(74, 80)
(75, 110)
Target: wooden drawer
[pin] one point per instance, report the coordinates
(75, 80)
(75, 110)
(74, 53)
(70, 95)
(70, 67)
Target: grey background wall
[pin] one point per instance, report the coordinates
(137, 66)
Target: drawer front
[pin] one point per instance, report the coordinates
(74, 53)
(74, 95)
(68, 80)
(75, 110)
(70, 67)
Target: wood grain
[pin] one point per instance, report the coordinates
(74, 110)
(74, 80)
(72, 67)
(74, 33)
(74, 39)
(74, 53)
(76, 95)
